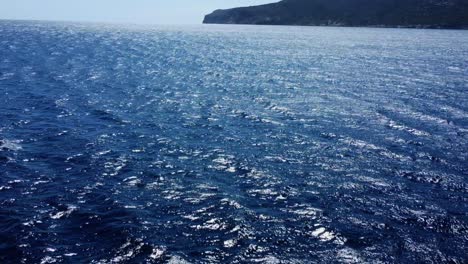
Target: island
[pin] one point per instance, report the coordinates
(450, 14)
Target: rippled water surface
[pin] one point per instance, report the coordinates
(232, 144)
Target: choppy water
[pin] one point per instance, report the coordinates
(232, 144)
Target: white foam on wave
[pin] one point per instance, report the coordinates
(323, 234)
(348, 255)
(62, 101)
(128, 251)
(267, 260)
(374, 181)
(231, 169)
(232, 203)
(48, 259)
(360, 144)
(157, 253)
(13, 145)
(138, 150)
(73, 157)
(61, 214)
(132, 181)
(101, 153)
(172, 194)
(256, 174)
(190, 217)
(396, 126)
(224, 163)
(115, 167)
(264, 192)
(177, 260)
(307, 211)
(230, 243)
(276, 159)
(29, 223)
(269, 121)
(212, 224)
(367, 146)
(6, 76)
(454, 69)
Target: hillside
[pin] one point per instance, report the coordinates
(380, 13)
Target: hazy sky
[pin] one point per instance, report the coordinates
(133, 11)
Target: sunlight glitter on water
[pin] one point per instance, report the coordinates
(232, 144)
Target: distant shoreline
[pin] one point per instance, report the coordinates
(345, 26)
(424, 14)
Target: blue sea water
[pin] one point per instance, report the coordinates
(232, 144)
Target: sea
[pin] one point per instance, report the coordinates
(232, 144)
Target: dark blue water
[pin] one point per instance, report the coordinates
(232, 144)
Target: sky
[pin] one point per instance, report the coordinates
(118, 11)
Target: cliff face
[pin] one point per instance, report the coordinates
(382, 13)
